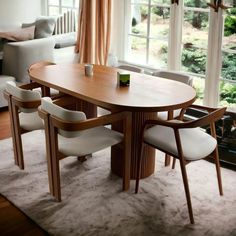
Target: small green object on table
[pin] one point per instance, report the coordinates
(123, 78)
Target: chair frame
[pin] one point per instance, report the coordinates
(52, 124)
(14, 105)
(214, 115)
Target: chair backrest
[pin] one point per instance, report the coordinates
(63, 114)
(173, 75)
(23, 95)
(207, 119)
(131, 68)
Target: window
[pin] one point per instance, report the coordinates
(228, 71)
(58, 7)
(148, 32)
(187, 37)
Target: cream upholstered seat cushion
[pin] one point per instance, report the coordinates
(30, 121)
(80, 143)
(196, 144)
(89, 141)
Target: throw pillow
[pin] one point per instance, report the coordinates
(19, 35)
(44, 26)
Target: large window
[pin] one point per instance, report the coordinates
(58, 7)
(152, 35)
(228, 71)
(148, 33)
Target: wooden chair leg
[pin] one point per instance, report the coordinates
(167, 160)
(13, 134)
(218, 172)
(56, 178)
(187, 192)
(139, 168)
(173, 163)
(18, 139)
(55, 165)
(82, 158)
(126, 153)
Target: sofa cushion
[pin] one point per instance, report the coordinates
(19, 35)
(65, 40)
(44, 26)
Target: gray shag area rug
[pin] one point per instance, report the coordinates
(93, 203)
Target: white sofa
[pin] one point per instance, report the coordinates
(58, 48)
(18, 56)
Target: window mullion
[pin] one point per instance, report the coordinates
(148, 31)
(211, 95)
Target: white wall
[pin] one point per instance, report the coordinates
(14, 12)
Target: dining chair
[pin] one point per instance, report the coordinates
(131, 68)
(69, 133)
(22, 104)
(39, 64)
(176, 76)
(185, 141)
(177, 114)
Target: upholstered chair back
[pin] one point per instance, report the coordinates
(131, 68)
(173, 75)
(64, 114)
(23, 94)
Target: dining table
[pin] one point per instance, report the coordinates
(144, 97)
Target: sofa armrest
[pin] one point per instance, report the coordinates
(18, 56)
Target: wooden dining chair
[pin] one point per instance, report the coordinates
(184, 141)
(22, 104)
(131, 68)
(176, 76)
(69, 133)
(176, 114)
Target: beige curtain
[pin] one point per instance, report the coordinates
(93, 40)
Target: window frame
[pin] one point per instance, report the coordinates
(176, 50)
(60, 6)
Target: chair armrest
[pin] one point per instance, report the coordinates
(201, 107)
(90, 123)
(23, 104)
(213, 116)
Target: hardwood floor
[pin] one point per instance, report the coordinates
(12, 220)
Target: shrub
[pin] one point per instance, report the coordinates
(194, 60)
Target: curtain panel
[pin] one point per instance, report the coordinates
(214, 60)
(93, 40)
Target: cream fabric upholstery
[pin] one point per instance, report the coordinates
(90, 141)
(195, 142)
(3, 80)
(29, 119)
(80, 143)
(172, 75)
(23, 94)
(63, 114)
(131, 68)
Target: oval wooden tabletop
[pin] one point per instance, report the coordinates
(145, 93)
